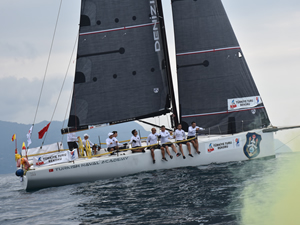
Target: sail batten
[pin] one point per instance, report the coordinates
(206, 51)
(117, 29)
(120, 71)
(216, 88)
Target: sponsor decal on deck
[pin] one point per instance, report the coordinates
(252, 145)
(243, 103)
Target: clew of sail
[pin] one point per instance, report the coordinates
(120, 71)
(216, 88)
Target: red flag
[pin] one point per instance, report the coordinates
(43, 131)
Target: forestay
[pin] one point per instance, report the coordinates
(120, 71)
(216, 88)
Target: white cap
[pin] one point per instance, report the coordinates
(85, 135)
(109, 134)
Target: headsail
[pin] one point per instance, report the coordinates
(120, 72)
(216, 88)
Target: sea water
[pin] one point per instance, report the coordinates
(250, 192)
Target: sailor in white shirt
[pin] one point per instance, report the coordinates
(165, 135)
(121, 146)
(179, 135)
(153, 140)
(192, 134)
(135, 142)
(112, 142)
(92, 145)
(72, 139)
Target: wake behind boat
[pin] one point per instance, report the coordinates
(123, 74)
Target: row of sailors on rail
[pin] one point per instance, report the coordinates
(152, 140)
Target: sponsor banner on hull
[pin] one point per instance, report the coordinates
(243, 103)
(55, 158)
(222, 145)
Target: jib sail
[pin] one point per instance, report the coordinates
(216, 88)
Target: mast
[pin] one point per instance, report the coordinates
(167, 63)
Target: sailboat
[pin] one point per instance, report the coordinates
(123, 74)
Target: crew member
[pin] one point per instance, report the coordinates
(92, 145)
(179, 135)
(192, 133)
(153, 140)
(24, 162)
(165, 135)
(112, 143)
(135, 142)
(121, 146)
(72, 139)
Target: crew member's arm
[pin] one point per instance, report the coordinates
(164, 134)
(148, 140)
(91, 143)
(184, 136)
(108, 142)
(131, 140)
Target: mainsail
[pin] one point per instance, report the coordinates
(121, 65)
(216, 89)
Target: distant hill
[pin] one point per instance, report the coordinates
(7, 129)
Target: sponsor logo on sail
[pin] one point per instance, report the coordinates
(210, 148)
(252, 145)
(155, 26)
(244, 103)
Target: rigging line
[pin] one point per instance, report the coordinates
(62, 136)
(47, 65)
(63, 125)
(287, 142)
(62, 86)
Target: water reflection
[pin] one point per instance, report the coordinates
(273, 197)
(201, 195)
(252, 192)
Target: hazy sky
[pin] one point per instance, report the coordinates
(268, 32)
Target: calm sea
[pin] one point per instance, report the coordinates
(252, 192)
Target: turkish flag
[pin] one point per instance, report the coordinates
(43, 131)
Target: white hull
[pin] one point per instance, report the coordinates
(84, 170)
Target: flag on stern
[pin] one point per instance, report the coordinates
(13, 137)
(43, 131)
(23, 146)
(29, 136)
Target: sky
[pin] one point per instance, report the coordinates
(268, 33)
